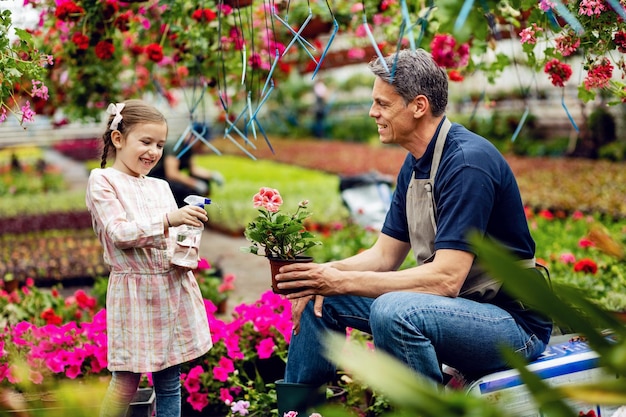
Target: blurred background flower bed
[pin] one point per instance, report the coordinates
(47, 235)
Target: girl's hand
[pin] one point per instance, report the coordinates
(190, 215)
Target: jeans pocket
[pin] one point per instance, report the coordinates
(532, 348)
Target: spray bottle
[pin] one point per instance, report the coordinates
(186, 252)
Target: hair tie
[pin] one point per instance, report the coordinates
(115, 109)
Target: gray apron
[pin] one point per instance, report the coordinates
(422, 222)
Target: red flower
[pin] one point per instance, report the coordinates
(122, 22)
(559, 72)
(137, 49)
(110, 8)
(204, 15)
(447, 53)
(104, 50)
(154, 52)
(68, 11)
(50, 316)
(81, 41)
(209, 15)
(456, 76)
(586, 265)
(620, 41)
(546, 214)
(255, 61)
(599, 75)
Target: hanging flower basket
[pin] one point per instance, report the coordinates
(238, 3)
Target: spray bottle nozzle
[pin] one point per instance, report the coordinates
(197, 200)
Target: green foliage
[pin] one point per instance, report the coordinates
(232, 207)
(565, 305)
(408, 393)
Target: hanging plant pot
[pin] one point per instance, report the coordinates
(236, 4)
(316, 27)
(276, 263)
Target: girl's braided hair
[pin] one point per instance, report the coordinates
(134, 113)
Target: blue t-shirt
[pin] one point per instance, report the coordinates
(474, 190)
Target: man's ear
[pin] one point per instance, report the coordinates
(420, 106)
(116, 139)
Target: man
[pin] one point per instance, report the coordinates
(181, 171)
(445, 310)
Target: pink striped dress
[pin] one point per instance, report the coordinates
(155, 312)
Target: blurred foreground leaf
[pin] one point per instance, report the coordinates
(409, 393)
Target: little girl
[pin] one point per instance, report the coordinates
(155, 313)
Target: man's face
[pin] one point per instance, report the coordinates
(394, 119)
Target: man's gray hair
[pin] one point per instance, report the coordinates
(414, 73)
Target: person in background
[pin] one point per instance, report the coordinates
(182, 172)
(156, 319)
(446, 310)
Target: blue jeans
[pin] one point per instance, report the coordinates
(123, 386)
(422, 330)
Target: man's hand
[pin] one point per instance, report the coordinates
(298, 305)
(308, 278)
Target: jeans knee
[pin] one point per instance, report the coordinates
(382, 313)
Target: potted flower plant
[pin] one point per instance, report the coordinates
(283, 237)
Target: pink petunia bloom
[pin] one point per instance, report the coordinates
(198, 400)
(266, 348)
(226, 396)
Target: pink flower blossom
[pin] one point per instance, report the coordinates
(39, 90)
(198, 400)
(591, 7)
(356, 53)
(268, 198)
(27, 114)
(266, 348)
(528, 35)
(585, 243)
(567, 258)
(240, 407)
(567, 45)
(226, 396)
(546, 5)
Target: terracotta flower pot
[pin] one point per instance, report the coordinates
(276, 263)
(238, 3)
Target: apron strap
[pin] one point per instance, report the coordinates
(441, 141)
